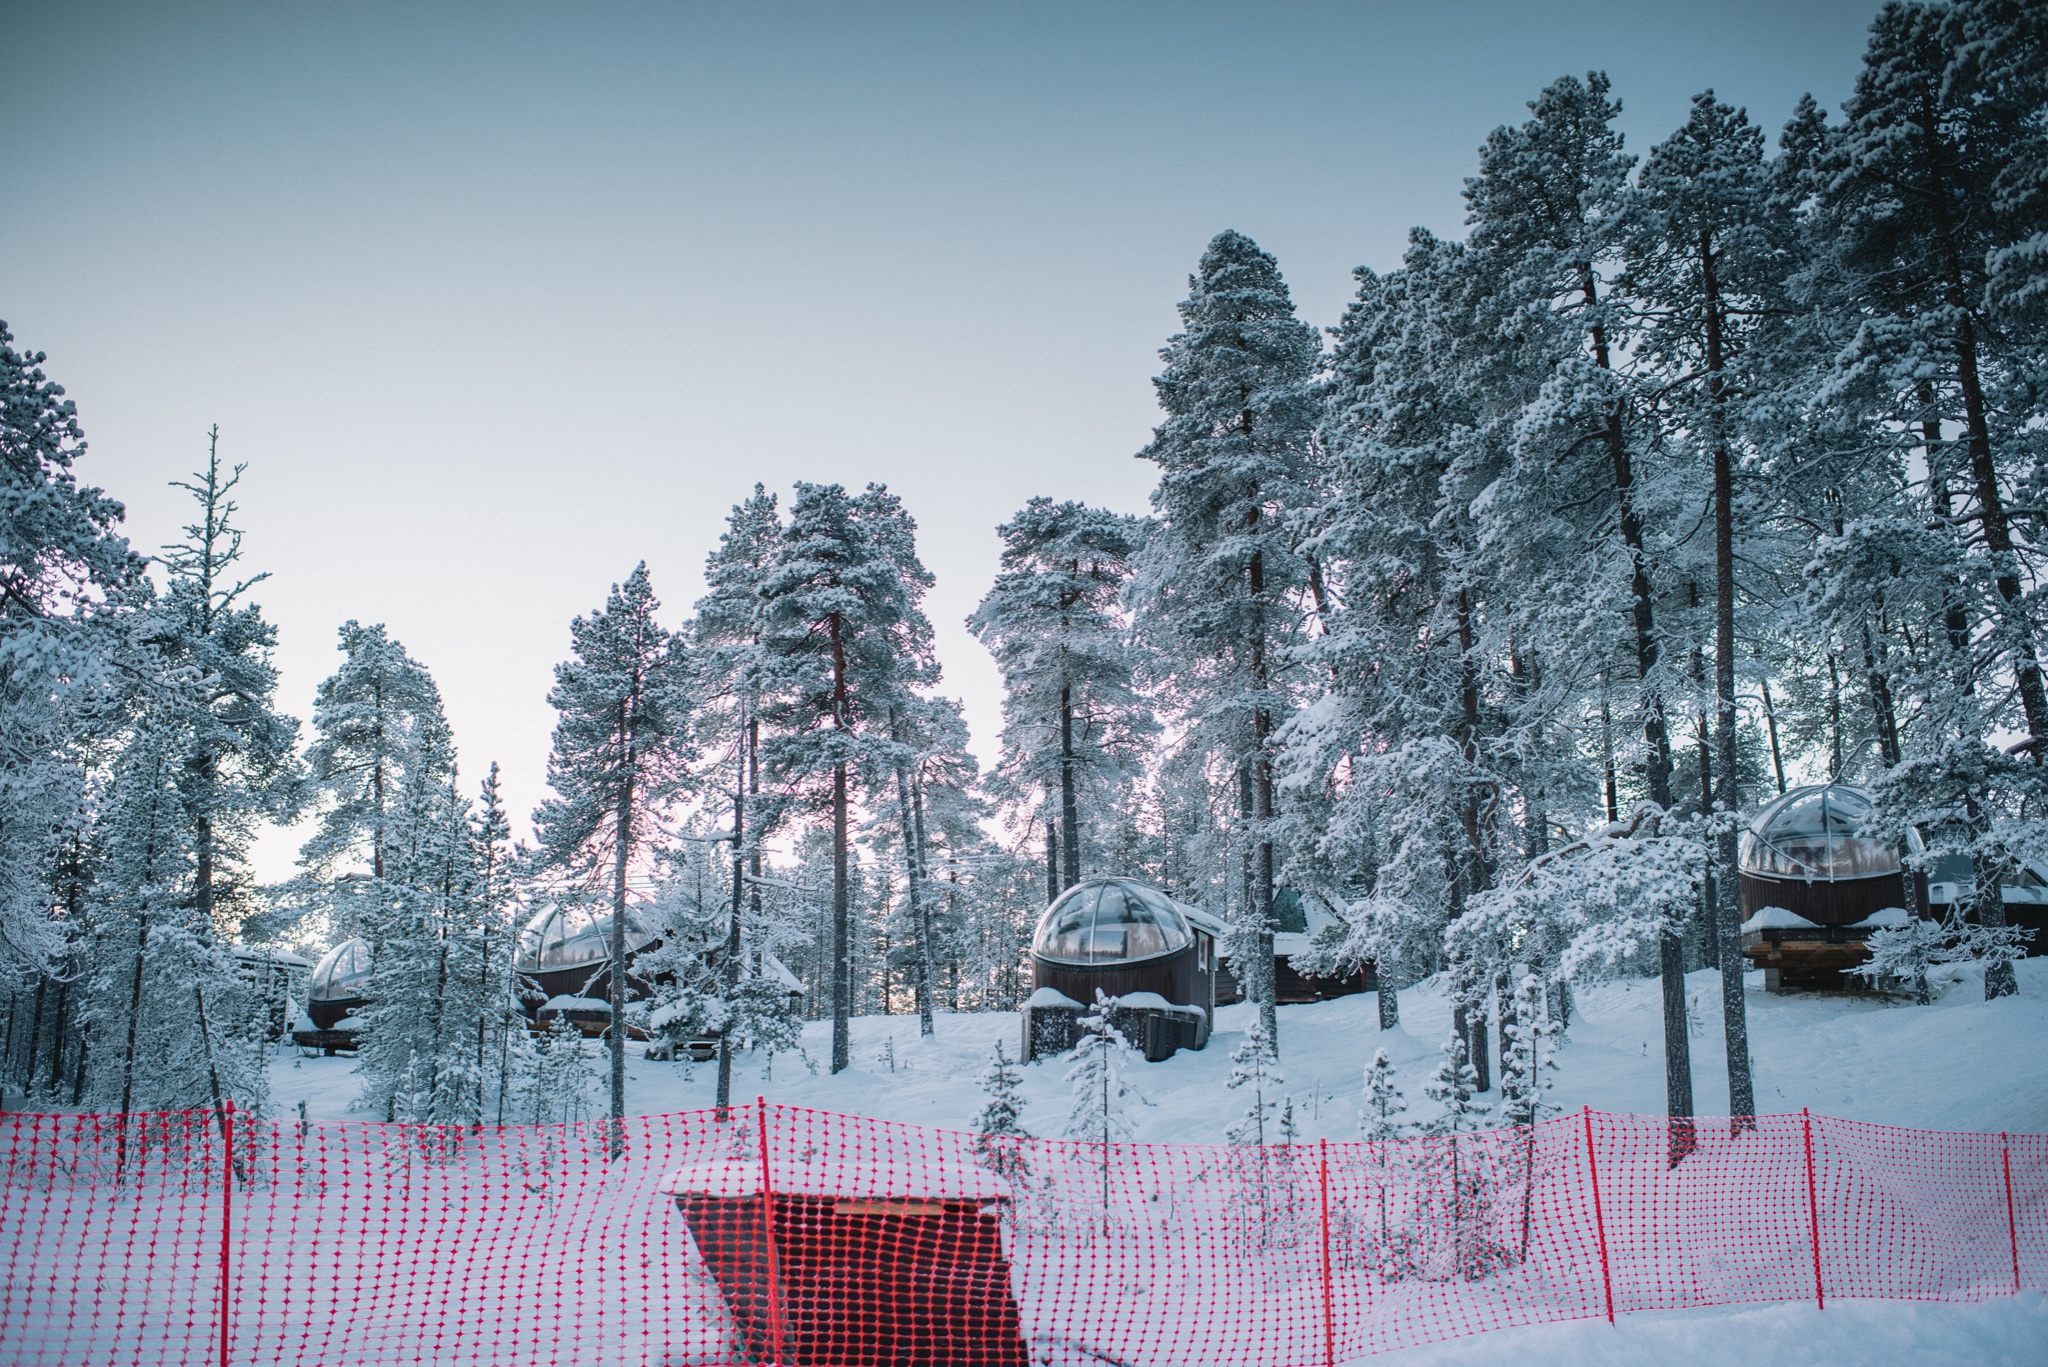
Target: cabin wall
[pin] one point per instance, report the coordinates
(1177, 977)
(1843, 902)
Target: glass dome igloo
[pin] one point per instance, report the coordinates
(1810, 834)
(343, 975)
(1111, 920)
(574, 936)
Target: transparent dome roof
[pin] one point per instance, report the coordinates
(561, 937)
(344, 974)
(1110, 920)
(1810, 833)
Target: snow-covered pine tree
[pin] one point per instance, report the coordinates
(207, 757)
(394, 857)
(1097, 1074)
(1546, 213)
(1255, 1067)
(1074, 725)
(1904, 953)
(845, 640)
(1455, 1088)
(1527, 1060)
(242, 767)
(731, 622)
(561, 1082)
(68, 576)
(431, 990)
(160, 990)
(368, 718)
(1527, 1056)
(620, 756)
(1710, 248)
(1218, 586)
(498, 1018)
(1455, 1171)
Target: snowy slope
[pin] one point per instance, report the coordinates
(1962, 1063)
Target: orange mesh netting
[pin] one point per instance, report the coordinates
(789, 1236)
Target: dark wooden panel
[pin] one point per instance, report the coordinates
(1177, 977)
(327, 1014)
(1840, 903)
(860, 1283)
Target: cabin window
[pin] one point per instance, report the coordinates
(571, 937)
(344, 974)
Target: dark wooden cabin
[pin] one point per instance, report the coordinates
(1127, 940)
(1810, 885)
(1296, 927)
(565, 957)
(2024, 892)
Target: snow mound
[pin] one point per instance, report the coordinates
(1776, 918)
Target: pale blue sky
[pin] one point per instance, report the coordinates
(496, 300)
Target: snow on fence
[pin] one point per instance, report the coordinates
(788, 1236)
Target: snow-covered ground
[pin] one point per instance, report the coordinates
(1959, 1064)
(2002, 1333)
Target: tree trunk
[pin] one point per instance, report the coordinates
(1728, 920)
(1262, 811)
(842, 918)
(621, 853)
(924, 907)
(1771, 729)
(1657, 748)
(1608, 785)
(1052, 861)
(1977, 433)
(1070, 810)
(729, 967)
(1475, 857)
(57, 1040)
(913, 877)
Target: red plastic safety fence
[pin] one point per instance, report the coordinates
(776, 1235)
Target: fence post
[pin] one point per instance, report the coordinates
(1820, 1298)
(1329, 1316)
(2012, 1223)
(768, 1234)
(1599, 1220)
(227, 1212)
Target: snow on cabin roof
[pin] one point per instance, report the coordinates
(779, 972)
(733, 1178)
(1776, 918)
(274, 956)
(568, 1003)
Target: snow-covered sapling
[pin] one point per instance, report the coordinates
(1000, 1126)
(1096, 1073)
(1382, 1102)
(1253, 1066)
